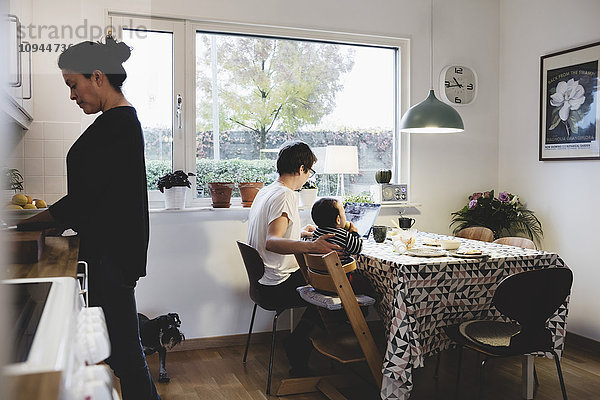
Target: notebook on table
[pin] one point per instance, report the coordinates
(362, 215)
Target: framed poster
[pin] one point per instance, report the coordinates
(569, 111)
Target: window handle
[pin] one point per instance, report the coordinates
(178, 112)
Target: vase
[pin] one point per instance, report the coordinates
(248, 191)
(307, 197)
(383, 176)
(220, 192)
(175, 197)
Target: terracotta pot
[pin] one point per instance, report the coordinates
(221, 194)
(248, 191)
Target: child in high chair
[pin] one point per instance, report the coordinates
(329, 216)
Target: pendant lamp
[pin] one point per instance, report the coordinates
(431, 115)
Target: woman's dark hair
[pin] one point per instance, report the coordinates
(324, 212)
(292, 156)
(86, 57)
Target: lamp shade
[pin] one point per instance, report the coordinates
(432, 116)
(341, 160)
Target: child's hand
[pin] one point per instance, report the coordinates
(307, 231)
(352, 227)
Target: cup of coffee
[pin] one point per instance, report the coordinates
(379, 233)
(405, 222)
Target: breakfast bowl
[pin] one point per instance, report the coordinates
(450, 244)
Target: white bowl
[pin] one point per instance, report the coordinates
(450, 244)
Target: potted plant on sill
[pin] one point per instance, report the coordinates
(220, 192)
(249, 189)
(174, 185)
(308, 194)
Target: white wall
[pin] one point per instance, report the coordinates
(184, 253)
(564, 194)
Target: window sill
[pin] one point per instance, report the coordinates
(198, 209)
(160, 208)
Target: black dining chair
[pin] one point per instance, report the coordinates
(255, 268)
(529, 298)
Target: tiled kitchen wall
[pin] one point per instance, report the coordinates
(41, 157)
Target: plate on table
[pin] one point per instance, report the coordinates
(426, 252)
(431, 242)
(468, 253)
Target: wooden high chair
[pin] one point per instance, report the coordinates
(341, 342)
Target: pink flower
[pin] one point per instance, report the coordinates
(475, 196)
(504, 197)
(486, 194)
(472, 204)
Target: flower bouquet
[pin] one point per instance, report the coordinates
(505, 215)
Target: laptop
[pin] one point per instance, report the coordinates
(362, 215)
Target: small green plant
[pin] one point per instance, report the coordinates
(171, 179)
(363, 197)
(14, 179)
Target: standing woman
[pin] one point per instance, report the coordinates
(107, 202)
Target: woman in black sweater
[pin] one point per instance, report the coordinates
(106, 167)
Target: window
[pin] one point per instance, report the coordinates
(244, 90)
(149, 86)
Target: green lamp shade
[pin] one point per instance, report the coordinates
(431, 116)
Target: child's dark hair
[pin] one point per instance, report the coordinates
(86, 57)
(325, 212)
(293, 155)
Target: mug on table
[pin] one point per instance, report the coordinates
(405, 222)
(379, 233)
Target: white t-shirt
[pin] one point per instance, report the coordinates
(272, 202)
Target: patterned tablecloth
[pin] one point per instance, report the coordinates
(418, 296)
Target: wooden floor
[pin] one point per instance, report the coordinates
(215, 374)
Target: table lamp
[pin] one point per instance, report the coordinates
(341, 160)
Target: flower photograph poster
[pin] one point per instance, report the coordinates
(569, 112)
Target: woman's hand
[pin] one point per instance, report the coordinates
(38, 222)
(322, 246)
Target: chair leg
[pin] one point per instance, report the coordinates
(560, 375)
(436, 374)
(272, 351)
(249, 334)
(460, 353)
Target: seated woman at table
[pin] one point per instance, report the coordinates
(274, 231)
(330, 218)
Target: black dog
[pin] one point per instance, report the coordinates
(160, 334)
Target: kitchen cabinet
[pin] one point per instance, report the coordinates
(20, 86)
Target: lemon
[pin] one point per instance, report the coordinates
(29, 207)
(39, 203)
(19, 199)
(14, 207)
(29, 199)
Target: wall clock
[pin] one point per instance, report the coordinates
(458, 85)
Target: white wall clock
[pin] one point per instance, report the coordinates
(458, 85)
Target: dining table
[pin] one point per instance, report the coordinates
(417, 296)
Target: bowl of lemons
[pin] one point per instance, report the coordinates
(22, 206)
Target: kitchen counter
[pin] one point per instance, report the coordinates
(59, 258)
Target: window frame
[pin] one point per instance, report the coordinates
(184, 140)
